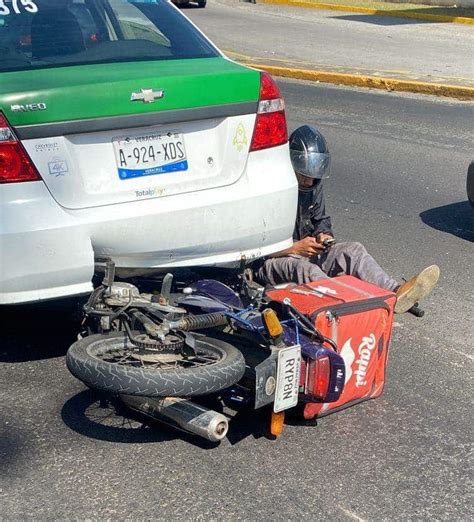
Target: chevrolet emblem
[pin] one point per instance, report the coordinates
(147, 95)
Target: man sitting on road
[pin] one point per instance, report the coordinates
(312, 256)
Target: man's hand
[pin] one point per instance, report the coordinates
(323, 237)
(307, 247)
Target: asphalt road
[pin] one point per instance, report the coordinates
(335, 41)
(397, 185)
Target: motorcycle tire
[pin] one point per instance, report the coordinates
(85, 360)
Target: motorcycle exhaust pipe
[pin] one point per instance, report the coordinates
(182, 414)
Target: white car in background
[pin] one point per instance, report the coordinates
(125, 133)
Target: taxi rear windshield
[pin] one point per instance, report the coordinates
(56, 33)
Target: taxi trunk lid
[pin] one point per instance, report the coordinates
(113, 133)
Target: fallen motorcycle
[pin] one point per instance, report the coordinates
(200, 338)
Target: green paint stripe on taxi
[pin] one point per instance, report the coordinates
(94, 91)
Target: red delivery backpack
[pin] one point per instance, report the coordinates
(358, 317)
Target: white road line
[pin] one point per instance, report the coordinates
(470, 357)
(352, 515)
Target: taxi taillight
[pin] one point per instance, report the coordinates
(15, 164)
(270, 129)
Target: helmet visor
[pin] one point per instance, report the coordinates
(311, 164)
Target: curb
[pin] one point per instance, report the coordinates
(374, 82)
(365, 10)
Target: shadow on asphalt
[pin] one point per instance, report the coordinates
(382, 20)
(99, 416)
(395, 17)
(105, 418)
(10, 448)
(39, 331)
(456, 219)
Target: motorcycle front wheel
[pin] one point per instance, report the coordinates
(112, 363)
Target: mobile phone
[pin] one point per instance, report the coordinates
(328, 243)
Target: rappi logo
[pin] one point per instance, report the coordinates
(364, 352)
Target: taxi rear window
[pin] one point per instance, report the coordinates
(55, 33)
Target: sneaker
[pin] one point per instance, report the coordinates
(416, 289)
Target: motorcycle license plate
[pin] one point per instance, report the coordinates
(149, 154)
(288, 378)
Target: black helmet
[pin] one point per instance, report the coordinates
(309, 152)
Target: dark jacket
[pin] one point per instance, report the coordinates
(312, 218)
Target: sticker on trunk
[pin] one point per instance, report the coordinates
(58, 167)
(240, 139)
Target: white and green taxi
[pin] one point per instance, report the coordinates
(125, 133)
